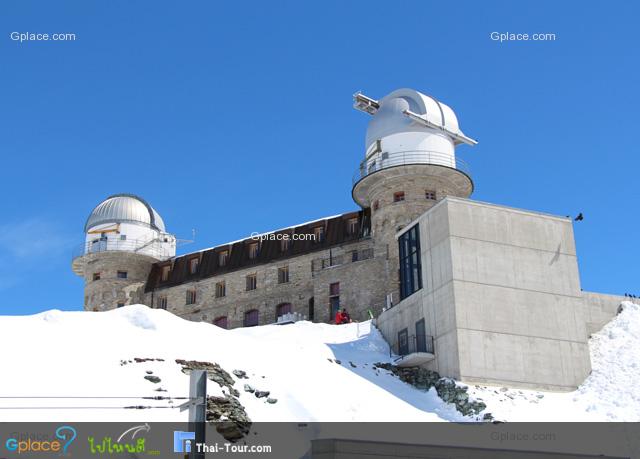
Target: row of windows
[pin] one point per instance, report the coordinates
(254, 249)
(120, 275)
(399, 196)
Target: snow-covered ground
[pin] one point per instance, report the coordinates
(62, 354)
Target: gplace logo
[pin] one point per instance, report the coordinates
(65, 435)
(182, 441)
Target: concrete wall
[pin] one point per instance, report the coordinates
(600, 308)
(501, 296)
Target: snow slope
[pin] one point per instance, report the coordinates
(80, 354)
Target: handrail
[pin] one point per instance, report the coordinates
(385, 160)
(420, 343)
(152, 246)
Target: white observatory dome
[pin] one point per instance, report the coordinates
(125, 208)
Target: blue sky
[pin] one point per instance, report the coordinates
(234, 117)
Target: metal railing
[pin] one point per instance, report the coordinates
(337, 260)
(386, 160)
(419, 343)
(154, 247)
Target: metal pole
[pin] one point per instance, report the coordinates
(198, 410)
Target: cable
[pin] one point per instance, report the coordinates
(136, 407)
(156, 397)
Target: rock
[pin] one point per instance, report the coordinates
(248, 388)
(261, 393)
(272, 400)
(230, 417)
(240, 374)
(153, 379)
(160, 389)
(503, 389)
(353, 365)
(149, 372)
(540, 396)
(487, 417)
(338, 362)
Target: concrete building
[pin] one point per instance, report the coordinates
(478, 292)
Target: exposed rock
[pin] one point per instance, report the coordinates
(240, 374)
(261, 393)
(248, 388)
(230, 417)
(153, 379)
(149, 372)
(338, 362)
(446, 388)
(353, 365)
(272, 400)
(146, 359)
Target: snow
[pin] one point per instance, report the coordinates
(62, 354)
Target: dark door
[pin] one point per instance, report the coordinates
(312, 309)
(251, 318)
(334, 302)
(421, 337)
(403, 342)
(282, 309)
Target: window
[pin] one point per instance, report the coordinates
(252, 282)
(161, 302)
(253, 250)
(318, 233)
(352, 226)
(221, 322)
(283, 275)
(96, 276)
(430, 195)
(165, 273)
(223, 257)
(120, 305)
(193, 265)
(191, 296)
(398, 196)
(284, 244)
(403, 342)
(376, 205)
(334, 289)
(410, 264)
(122, 274)
(221, 289)
(251, 318)
(354, 256)
(123, 237)
(282, 309)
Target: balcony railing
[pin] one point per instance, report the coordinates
(386, 160)
(152, 247)
(414, 343)
(337, 260)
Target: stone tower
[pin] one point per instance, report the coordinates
(124, 236)
(409, 165)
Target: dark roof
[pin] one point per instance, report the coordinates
(335, 233)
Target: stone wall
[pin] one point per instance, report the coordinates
(310, 276)
(109, 290)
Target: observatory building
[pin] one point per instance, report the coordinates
(476, 291)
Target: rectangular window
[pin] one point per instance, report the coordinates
(318, 233)
(191, 297)
(223, 257)
(221, 289)
(252, 282)
(123, 237)
(193, 265)
(410, 263)
(430, 195)
(253, 250)
(96, 276)
(334, 289)
(354, 256)
(251, 318)
(421, 337)
(352, 226)
(162, 302)
(165, 273)
(283, 275)
(122, 274)
(398, 196)
(284, 245)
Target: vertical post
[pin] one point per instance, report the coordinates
(198, 410)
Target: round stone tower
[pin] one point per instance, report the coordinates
(124, 236)
(409, 165)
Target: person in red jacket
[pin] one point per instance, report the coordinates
(338, 317)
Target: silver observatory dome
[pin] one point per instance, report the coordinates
(125, 208)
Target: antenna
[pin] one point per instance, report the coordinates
(181, 242)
